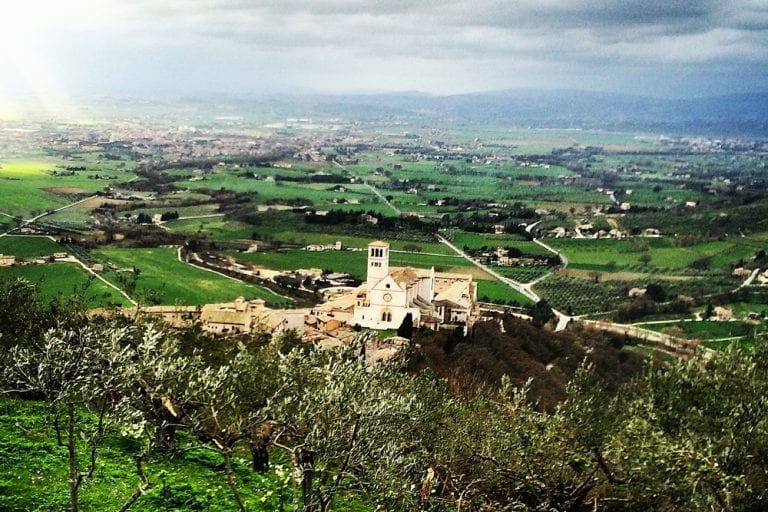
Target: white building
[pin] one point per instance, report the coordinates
(432, 298)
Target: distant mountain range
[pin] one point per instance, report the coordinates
(736, 114)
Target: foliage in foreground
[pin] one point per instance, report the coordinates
(690, 436)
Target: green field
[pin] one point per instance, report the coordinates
(665, 255)
(494, 291)
(162, 279)
(61, 281)
(707, 329)
(29, 246)
(28, 187)
(216, 228)
(476, 241)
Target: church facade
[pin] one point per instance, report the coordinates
(434, 299)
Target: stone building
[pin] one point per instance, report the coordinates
(433, 299)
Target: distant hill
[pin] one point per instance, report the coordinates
(718, 116)
(736, 114)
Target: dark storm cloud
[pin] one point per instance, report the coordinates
(482, 26)
(446, 46)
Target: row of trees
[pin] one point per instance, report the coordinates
(690, 436)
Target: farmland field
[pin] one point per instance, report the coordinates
(707, 329)
(494, 291)
(283, 183)
(662, 253)
(29, 246)
(162, 279)
(28, 187)
(576, 296)
(62, 281)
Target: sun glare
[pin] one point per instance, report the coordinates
(22, 58)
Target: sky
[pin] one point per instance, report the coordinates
(56, 49)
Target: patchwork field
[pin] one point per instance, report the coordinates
(416, 179)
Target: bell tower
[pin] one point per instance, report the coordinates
(378, 263)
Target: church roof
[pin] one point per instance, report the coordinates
(457, 293)
(225, 317)
(342, 303)
(451, 275)
(378, 243)
(407, 275)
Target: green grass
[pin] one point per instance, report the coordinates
(28, 187)
(29, 246)
(598, 254)
(495, 291)
(215, 228)
(475, 241)
(60, 281)
(33, 473)
(707, 329)
(744, 343)
(165, 280)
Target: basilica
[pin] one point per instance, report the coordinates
(433, 299)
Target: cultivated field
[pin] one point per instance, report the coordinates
(64, 281)
(161, 279)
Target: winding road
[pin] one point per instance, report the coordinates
(524, 288)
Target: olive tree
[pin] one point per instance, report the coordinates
(347, 427)
(71, 370)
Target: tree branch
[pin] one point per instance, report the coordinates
(144, 486)
(613, 479)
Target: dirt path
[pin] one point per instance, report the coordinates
(38, 217)
(122, 292)
(373, 189)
